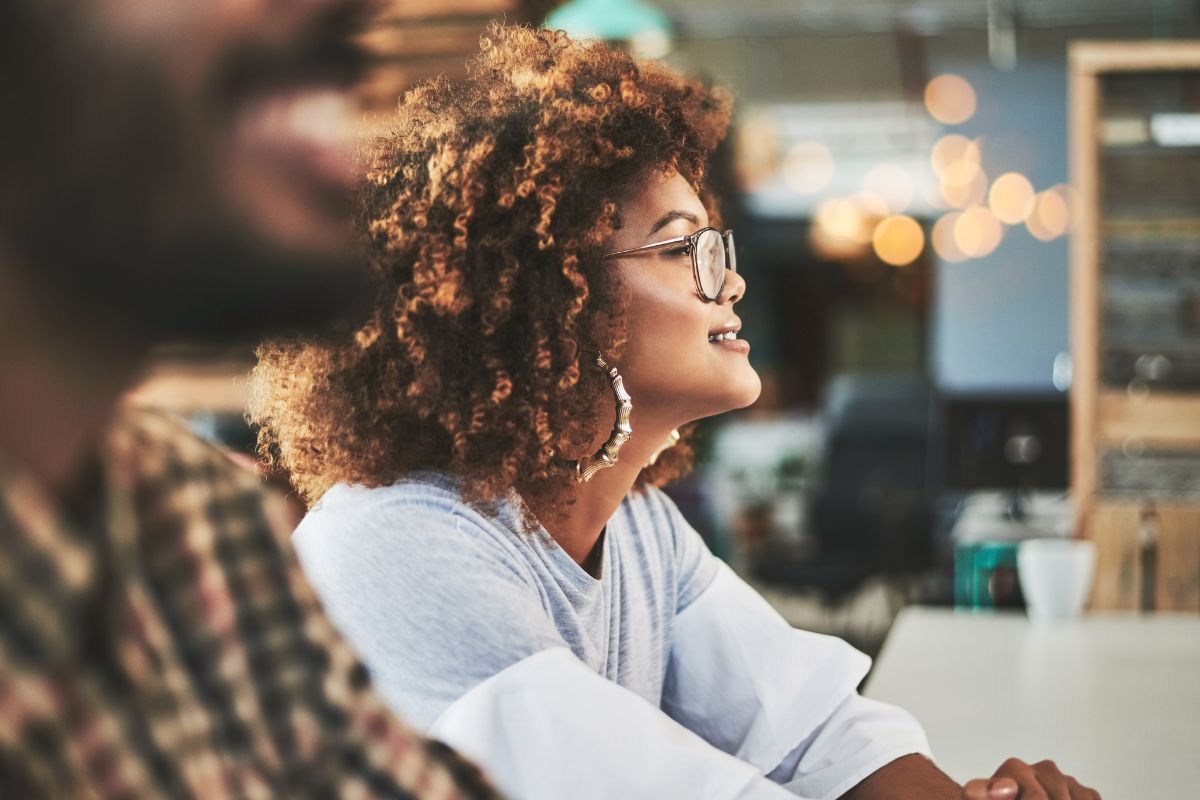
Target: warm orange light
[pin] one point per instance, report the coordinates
(893, 183)
(964, 184)
(841, 230)
(808, 167)
(1050, 216)
(1011, 198)
(942, 238)
(950, 99)
(898, 240)
(977, 232)
(952, 148)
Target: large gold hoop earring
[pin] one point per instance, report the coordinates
(672, 440)
(606, 456)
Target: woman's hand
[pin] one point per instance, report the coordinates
(1016, 780)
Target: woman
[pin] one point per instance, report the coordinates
(556, 298)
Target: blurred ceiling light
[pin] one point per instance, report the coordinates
(964, 184)
(1050, 216)
(808, 167)
(1011, 198)
(892, 183)
(942, 238)
(950, 149)
(977, 232)
(645, 28)
(950, 99)
(898, 240)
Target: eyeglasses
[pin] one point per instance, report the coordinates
(712, 254)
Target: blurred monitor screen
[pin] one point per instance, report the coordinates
(1006, 442)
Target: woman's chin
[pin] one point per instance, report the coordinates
(740, 391)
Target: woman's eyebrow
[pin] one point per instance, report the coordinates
(670, 217)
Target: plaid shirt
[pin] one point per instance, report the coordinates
(169, 647)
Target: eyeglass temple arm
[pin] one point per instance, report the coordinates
(652, 246)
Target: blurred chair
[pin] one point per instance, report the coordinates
(869, 508)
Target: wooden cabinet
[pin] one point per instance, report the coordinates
(1135, 318)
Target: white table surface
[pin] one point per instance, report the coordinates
(1113, 699)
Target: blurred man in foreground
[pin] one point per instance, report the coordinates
(169, 172)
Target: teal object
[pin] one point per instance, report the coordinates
(612, 20)
(985, 576)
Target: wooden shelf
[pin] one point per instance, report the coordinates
(1167, 421)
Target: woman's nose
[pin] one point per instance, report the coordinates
(735, 287)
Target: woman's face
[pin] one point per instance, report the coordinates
(671, 368)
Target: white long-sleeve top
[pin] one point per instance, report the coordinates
(666, 676)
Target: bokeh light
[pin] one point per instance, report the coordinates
(951, 149)
(977, 232)
(963, 184)
(893, 183)
(1011, 198)
(756, 151)
(1071, 197)
(808, 167)
(1050, 217)
(942, 238)
(898, 240)
(841, 229)
(950, 99)
(871, 204)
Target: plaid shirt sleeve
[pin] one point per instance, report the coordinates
(171, 647)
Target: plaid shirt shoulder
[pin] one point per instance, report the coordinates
(173, 649)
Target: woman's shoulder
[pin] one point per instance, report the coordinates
(424, 505)
(433, 491)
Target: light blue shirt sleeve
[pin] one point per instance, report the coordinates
(779, 698)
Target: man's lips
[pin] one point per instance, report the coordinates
(307, 132)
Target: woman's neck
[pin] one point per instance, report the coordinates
(576, 524)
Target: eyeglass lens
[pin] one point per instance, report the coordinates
(710, 263)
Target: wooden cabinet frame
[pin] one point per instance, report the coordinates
(1102, 416)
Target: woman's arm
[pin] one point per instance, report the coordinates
(549, 728)
(779, 698)
(912, 777)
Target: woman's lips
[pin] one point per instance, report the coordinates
(732, 345)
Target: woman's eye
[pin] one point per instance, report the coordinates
(680, 251)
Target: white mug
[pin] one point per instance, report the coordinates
(1056, 576)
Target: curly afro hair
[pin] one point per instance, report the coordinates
(485, 212)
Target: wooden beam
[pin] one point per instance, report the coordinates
(1085, 288)
(1094, 57)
